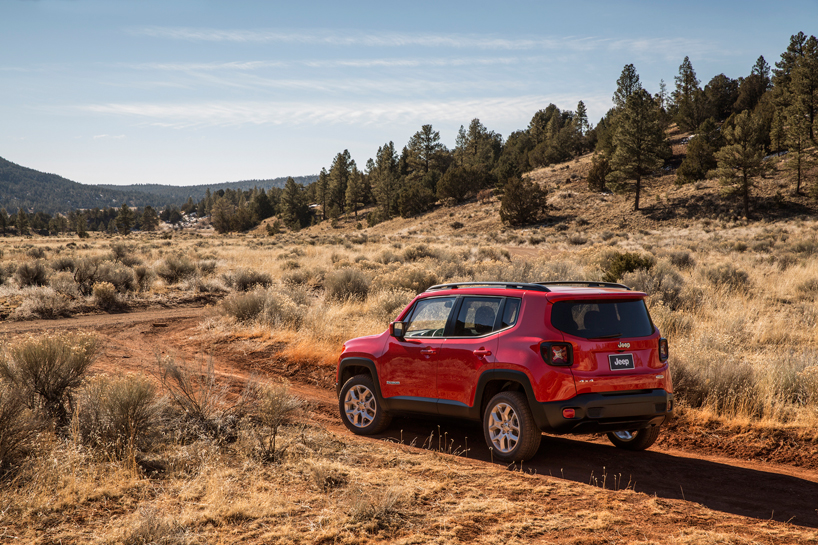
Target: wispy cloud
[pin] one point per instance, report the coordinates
(222, 114)
(109, 137)
(246, 66)
(398, 39)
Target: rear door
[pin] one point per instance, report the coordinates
(614, 342)
(469, 348)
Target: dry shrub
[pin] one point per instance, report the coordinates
(808, 288)
(312, 278)
(105, 296)
(175, 269)
(726, 275)
(672, 323)
(143, 277)
(681, 259)
(327, 476)
(90, 271)
(410, 277)
(577, 239)
(63, 283)
(615, 264)
(388, 256)
(47, 370)
(206, 267)
(346, 284)
(247, 279)
(197, 284)
(31, 273)
(17, 429)
(63, 263)
(41, 303)
(493, 254)
(35, 253)
(419, 251)
(118, 414)
(244, 307)
(386, 304)
(662, 282)
(274, 406)
(124, 253)
(290, 264)
(205, 405)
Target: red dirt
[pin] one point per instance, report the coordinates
(743, 474)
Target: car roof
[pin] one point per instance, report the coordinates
(565, 288)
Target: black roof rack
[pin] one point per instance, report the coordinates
(590, 284)
(506, 285)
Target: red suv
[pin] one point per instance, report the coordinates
(523, 358)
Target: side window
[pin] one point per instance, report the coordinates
(429, 317)
(511, 312)
(477, 316)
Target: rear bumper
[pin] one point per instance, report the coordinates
(607, 411)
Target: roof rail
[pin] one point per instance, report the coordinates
(506, 285)
(588, 283)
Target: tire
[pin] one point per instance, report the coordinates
(361, 408)
(638, 440)
(506, 413)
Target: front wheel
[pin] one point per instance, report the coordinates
(635, 440)
(360, 408)
(509, 428)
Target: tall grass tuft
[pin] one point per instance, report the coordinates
(346, 284)
(31, 273)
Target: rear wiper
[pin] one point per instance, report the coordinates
(611, 336)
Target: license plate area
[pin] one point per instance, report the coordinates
(621, 362)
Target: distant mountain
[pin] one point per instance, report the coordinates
(22, 187)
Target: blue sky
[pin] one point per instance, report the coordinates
(197, 92)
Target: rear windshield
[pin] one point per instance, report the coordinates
(602, 319)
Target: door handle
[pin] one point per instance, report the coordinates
(480, 353)
(428, 351)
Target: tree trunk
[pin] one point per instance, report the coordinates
(638, 189)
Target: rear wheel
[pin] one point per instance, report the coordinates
(635, 440)
(509, 428)
(360, 407)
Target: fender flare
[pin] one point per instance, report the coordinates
(475, 412)
(370, 366)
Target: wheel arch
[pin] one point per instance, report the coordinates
(349, 367)
(495, 381)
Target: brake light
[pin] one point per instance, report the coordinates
(663, 349)
(557, 354)
(569, 413)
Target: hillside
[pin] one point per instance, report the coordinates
(26, 188)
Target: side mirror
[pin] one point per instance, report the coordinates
(397, 329)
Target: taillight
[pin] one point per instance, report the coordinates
(557, 354)
(663, 349)
(569, 413)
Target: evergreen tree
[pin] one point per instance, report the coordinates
(385, 180)
(797, 140)
(221, 215)
(721, 93)
(355, 191)
(460, 183)
(124, 220)
(742, 159)
(4, 220)
(627, 84)
(688, 97)
(782, 73)
(700, 158)
(415, 198)
(322, 193)
(111, 229)
(640, 142)
(537, 125)
(600, 169)
(261, 207)
(582, 118)
(805, 82)
(22, 223)
(150, 219)
(293, 207)
(425, 150)
(339, 173)
(523, 202)
(478, 147)
(80, 225)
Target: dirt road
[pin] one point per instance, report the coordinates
(761, 490)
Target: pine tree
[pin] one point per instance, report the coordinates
(700, 158)
(797, 140)
(425, 150)
(640, 142)
(782, 73)
(385, 180)
(294, 210)
(322, 192)
(221, 215)
(688, 97)
(805, 81)
(4, 220)
(523, 202)
(355, 191)
(626, 85)
(150, 219)
(22, 223)
(124, 220)
(80, 225)
(478, 147)
(742, 159)
(339, 173)
(582, 118)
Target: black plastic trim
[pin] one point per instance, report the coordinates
(361, 362)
